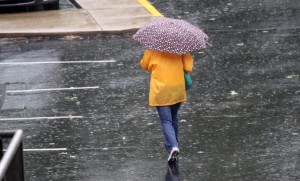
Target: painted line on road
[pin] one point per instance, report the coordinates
(46, 149)
(109, 148)
(150, 8)
(53, 89)
(41, 118)
(226, 116)
(66, 149)
(58, 62)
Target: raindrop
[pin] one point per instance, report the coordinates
(233, 93)
(292, 76)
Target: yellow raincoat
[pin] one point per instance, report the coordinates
(167, 86)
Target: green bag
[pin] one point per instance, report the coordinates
(188, 81)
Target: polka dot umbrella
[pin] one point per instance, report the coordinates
(172, 36)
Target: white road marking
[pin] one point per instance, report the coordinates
(46, 149)
(66, 149)
(58, 62)
(226, 116)
(53, 89)
(41, 118)
(109, 148)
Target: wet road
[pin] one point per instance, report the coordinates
(90, 121)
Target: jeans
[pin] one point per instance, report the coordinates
(169, 123)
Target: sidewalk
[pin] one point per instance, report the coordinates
(95, 16)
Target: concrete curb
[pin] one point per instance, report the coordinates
(75, 33)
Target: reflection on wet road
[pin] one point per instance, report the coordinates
(172, 173)
(90, 121)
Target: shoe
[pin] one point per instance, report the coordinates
(173, 155)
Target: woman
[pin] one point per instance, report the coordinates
(167, 92)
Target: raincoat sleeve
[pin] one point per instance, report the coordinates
(145, 62)
(188, 61)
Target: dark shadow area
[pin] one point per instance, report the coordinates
(172, 173)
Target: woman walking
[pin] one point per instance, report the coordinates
(168, 42)
(167, 92)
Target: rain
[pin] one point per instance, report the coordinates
(91, 121)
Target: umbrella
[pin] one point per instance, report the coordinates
(172, 36)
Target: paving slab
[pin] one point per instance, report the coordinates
(117, 15)
(107, 4)
(122, 24)
(121, 18)
(48, 22)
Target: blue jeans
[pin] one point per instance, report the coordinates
(169, 123)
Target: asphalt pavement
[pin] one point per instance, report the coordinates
(82, 100)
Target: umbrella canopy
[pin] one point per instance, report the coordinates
(172, 36)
